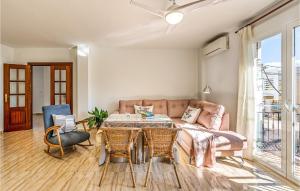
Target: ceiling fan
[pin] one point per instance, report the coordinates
(174, 13)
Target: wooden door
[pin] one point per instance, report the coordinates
(17, 97)
(61, 84)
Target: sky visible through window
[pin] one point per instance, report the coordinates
(271, 61)
(271, 50)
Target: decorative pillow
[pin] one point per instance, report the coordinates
(211, 116)
(142, 109)
(67, 123)
(191, 114)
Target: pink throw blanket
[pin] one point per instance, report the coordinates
(204, 147)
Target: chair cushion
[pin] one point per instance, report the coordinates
(160, 106)
(176, 108)
(48, 111)
(66, 122)
(70, 138)
(127, 106)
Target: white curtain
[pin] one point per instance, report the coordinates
(246, 92)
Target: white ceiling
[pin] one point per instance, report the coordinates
(64, 23)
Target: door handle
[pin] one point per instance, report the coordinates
(5, 98)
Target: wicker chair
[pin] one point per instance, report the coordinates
(119, 141)
(161, 142)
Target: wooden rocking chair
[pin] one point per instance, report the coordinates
(62, 140)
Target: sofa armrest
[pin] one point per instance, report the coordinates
(225, 122)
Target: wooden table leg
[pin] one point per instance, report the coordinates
(143, 149)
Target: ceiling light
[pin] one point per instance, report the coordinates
(174, 17)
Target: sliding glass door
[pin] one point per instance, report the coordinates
(296, 128)
(293, 127)
(277, 98)
(269, 98)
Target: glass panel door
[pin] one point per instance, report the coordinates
(295, 133)
(17, 87)
(60, 86)
(17, 94)
(269, 98)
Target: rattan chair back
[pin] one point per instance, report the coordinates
(120, 139)
(161, 141)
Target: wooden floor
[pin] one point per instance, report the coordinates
(24, 166)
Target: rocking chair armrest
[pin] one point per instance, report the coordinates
(49, 130)
(83, 122)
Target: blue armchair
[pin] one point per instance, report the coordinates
(66, 139)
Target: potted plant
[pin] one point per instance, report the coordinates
(97, 117)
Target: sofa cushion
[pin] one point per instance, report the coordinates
(179, 123)
(211, 116)
(127, 106)
(225, 141)
(191, 114)
(204, 105)
(138, 109)
(159, 106)
(196, 103)
(204, 119)
(229, 140)
(176, 108)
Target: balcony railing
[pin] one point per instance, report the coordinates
(269, 132)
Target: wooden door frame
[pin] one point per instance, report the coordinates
(32, 64)
(28, 94)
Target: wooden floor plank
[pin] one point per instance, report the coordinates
(25, 166)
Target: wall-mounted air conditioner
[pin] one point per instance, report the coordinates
(217, 46)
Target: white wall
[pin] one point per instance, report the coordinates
(37, 89)
(115, 74)
(24, 55)
(1, 91)
(220, 72)
(73, 53)
(6, 56)
(83, 86)
(46, 87)
(40, 87)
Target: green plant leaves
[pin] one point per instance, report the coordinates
(97, 117)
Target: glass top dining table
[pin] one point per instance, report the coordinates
(136, 120)
(131, 120)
